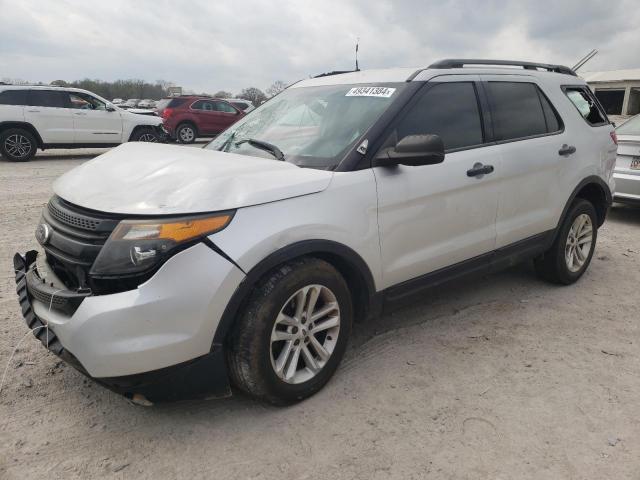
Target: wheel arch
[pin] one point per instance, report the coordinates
(137, 128)
(348, 262)
(595, 190)
(25, 125)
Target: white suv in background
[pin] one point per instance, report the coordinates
(33, 117)
(170, 272)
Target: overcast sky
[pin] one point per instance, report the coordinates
(212, 45)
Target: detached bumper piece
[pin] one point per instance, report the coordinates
(202, 377)
(163, 134)
(26, 283)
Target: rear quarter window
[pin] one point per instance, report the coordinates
(587, 105)
(13, 97)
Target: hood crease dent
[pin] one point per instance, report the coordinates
(156, 179)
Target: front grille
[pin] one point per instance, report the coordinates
(73, 219)
(51, 300)
(76, 238)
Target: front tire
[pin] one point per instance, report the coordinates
(293, 332)
(570, 255)
(186, 133)
(17, 145)
(145, 135)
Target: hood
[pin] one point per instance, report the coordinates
(142, 117)
(154, 179)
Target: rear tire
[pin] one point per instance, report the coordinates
(186, 133)
(271, 354)
(145, 135)
(18, 145)
(570, 255)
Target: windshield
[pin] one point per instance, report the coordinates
(630, 127)
(312, 126)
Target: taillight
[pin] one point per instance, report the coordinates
(614, 137)
(166, 113)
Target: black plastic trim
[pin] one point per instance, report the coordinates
(299, 249)
(489, 262)
(591, 180)
(78, 145)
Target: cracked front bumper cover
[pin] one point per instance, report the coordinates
(202, 377)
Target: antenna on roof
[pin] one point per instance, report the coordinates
(357, 42)
(585, 59)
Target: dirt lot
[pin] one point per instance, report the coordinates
(500, 378)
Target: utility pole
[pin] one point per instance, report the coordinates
(357, 42)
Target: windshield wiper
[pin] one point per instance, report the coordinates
(227, 142)
(266, 146)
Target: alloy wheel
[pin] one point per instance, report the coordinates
(17, 145)
(148, 137)
(579, 242)
(305, 334)
(187, 134)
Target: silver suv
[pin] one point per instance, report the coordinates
(170, 272)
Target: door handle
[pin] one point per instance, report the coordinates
(479, 169)
(566, 150)
(80, 113)
(33, 111)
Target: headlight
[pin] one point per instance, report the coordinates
(138, 245)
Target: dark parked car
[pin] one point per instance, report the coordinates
(189, 116)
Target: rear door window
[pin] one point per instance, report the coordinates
(203, 105)
(587, 105)
(449, 110)
(48, 98)
(224, 107)
(520, 110)
(13, 97)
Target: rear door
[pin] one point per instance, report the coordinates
(48, 111)
(227, 115)
(434, 216)
(92, 122)
(206, 117)
(529, 133)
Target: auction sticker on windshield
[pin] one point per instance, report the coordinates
(383, 92)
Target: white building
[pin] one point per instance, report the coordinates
(617, 90)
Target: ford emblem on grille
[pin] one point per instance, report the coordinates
(43, 232)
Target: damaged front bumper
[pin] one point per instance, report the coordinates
(201, 377)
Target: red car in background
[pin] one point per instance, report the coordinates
(191, 116)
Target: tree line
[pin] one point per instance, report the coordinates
(134, 88)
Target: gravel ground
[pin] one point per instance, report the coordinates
(502, 377)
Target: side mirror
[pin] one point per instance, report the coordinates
(412, 150)
(110, 108)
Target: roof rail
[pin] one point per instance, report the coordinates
(461, 62)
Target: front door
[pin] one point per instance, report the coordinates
(92, 122)
(435, 216)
